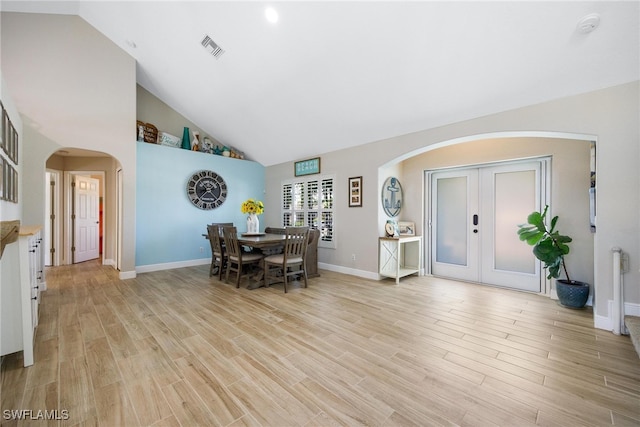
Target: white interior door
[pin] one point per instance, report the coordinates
(87, 220)
(474, 218)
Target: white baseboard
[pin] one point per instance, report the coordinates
(603, 322)
(110, 262)
(171, 265)
(631, 309)
(124, 275)
(606, 322)
(352, 271)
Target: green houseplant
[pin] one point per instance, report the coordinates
(550, 247)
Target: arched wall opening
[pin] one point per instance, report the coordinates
(62, 167)
(570, 179)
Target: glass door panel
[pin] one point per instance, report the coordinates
(455, 195)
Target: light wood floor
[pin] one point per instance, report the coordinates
(178, 348)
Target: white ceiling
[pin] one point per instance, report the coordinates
(330, 75)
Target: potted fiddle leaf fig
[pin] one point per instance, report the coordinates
(550, 247)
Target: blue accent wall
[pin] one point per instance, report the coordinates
(169, 227)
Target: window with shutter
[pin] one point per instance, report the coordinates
(308, 201)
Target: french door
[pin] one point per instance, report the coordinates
(473, 221)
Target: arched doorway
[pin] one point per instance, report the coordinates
(571, 202)
(65, 206)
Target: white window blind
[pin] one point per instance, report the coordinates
(308, 201)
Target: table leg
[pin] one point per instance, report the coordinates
(258, 278)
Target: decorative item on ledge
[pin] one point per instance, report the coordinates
(186, 142)
(195, 141)
(147, 132)
(169, 140)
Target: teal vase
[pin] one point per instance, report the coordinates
(186, 143)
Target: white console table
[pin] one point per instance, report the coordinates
(399, 256)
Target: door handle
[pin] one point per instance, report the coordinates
(475, 219)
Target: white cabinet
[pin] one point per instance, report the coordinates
(20, 290)
(399, 256)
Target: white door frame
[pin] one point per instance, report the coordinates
(53, 239)
(545, 199)
(118, 231)
(68, 180)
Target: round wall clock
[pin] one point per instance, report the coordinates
(206, 190)
(391, 196)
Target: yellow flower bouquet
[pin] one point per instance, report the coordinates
(252, 206)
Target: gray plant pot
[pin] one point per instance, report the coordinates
(572, 294)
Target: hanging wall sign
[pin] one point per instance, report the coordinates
(391, 196)
(307, 167)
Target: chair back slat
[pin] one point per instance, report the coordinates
(215, 233)
(296, 242)
(231, 241)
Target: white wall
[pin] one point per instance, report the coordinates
(81, 92)
(611, 115)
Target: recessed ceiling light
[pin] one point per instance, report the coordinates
(271, 14)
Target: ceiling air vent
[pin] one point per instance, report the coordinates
(212, 47)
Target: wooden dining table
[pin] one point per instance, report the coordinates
(268, 243)
(262, 241)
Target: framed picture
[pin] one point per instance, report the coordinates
(14, 178)
(14, 139)
(307, 167)
(2, 113)
(355, 192)
(407, 228)
(5, 131)
(8, 182)
(2, 166)
(9, 141)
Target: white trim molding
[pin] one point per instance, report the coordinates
(606, 322)
(171, 265)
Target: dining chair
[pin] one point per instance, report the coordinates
(236, 257)
(218, 252)
(292, 261)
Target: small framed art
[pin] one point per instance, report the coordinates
(407, 228)
(5, 130)
(2, 166)
(355, 192)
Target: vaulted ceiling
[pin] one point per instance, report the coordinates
(329, 75)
